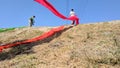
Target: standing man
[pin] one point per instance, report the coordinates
(72, 13)
(31, 21)
(73, 17)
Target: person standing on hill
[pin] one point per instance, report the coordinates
(72, 13)
(73, 16)
(31, 21)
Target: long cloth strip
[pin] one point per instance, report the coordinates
(46, 4)
(43, 36)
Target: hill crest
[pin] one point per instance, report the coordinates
(85, 45)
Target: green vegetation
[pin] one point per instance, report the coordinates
(9, 29)
(6, 29)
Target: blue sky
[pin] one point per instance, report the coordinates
(15, 13)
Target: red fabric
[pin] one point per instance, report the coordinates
(53, 10)
(43, 36)
(74, 18)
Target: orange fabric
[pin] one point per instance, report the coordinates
(43, 36)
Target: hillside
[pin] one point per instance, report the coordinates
(83, 46)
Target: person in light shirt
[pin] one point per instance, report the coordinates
(72, 13)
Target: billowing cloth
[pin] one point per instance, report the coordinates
(53, 10)
(43, 36)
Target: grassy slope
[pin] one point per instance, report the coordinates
(83, 46)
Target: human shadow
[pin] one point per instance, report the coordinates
(27, 48)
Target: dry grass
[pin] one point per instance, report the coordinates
(20, 34)
(83, 46)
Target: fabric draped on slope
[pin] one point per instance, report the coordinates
(43, 36)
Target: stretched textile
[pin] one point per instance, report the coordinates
(53, 10)
(43, 36)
